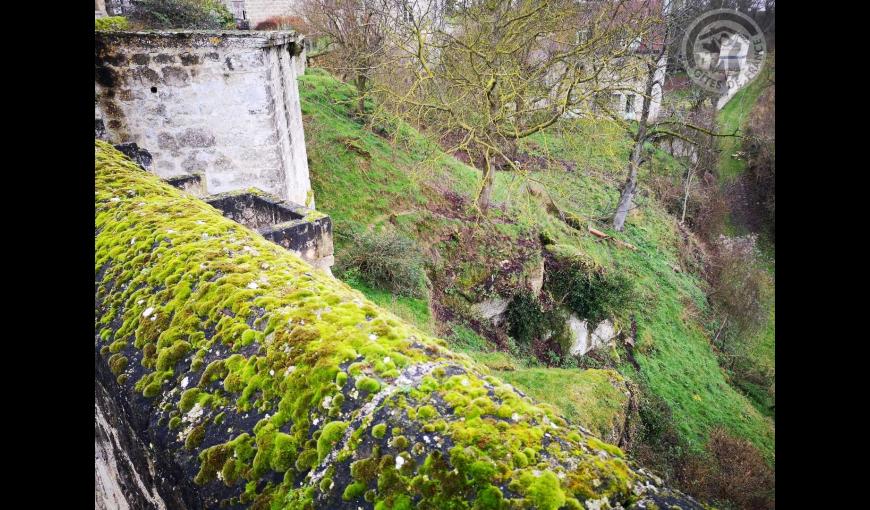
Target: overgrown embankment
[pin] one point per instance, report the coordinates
(368, 180)
(260, 382)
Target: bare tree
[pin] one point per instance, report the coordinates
(490, 73)
(355, 32)
(668, 21)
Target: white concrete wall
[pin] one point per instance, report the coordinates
(261, 10)
(222, 105)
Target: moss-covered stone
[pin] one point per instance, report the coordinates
(271, 344)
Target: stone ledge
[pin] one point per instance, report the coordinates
(212, 38)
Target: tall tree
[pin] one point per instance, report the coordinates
(355, 33)
(667, 19)
(492, 72)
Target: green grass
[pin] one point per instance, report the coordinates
(378, 177)
(734, 116)
(596, 399)
(413, 310)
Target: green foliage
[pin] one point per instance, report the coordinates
(110, 23)
(526, 318)
(190, 14)
(588, 291)
(385, 259)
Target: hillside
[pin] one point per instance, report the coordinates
(365, 179)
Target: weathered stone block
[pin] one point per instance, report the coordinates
(178, 92)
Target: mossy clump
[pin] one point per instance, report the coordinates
(367, 384)
(117, 363)
(283, 452)
(306, 460)
(379, 430)
(188, 399)
(329, 436)
(110, 23)
(353, 491)
(545, 492)
(194, 439)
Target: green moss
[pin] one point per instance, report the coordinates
(330, 435)
(306, 460)
(174, 422)
(117, 345)
(283, 452)
(368, 384)
(151, 390)
(489, 498)
(399, 442)
(353, 491)
(188, 399)
(379, 430)
(110, 23)
(545, 492)
(426, 412)
(215, 370)
(609, 448)
(341, 378)
(197, 434)
(117, 363)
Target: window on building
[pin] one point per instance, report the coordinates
(629, 103)
(614, 101)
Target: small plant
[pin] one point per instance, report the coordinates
(589, 291)
(527, 320)
(110, 24)
(383, 259)
(192, 14)
(283, 23)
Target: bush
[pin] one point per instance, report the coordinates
(588, 291)
(384, 259)
(731, 473)
(657, 445)
(741, 288)
(110, 23)
(283, 23)
(526, 319)
(191, 14)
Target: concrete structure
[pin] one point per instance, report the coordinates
(222, 104)
(303, 231)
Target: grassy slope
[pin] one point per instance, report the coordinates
(733, 116)
(363, 184)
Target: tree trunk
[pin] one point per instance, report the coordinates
(361, 94)
(628, 190)
(630, 187)
(686, 195)
(485, 195)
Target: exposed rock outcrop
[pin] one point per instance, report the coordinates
(249, 379)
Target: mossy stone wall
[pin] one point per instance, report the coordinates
(258, 381)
